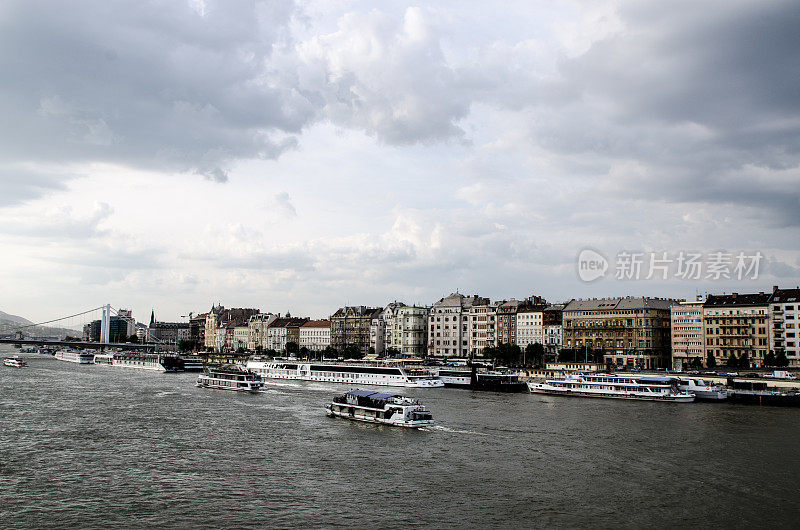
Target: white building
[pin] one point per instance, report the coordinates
(315, 335)
(482, 327)
(448, 325)
(688, 339)
(407, 331)
(380, 329)
(784, 305)
(530, 326)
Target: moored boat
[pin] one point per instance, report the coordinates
(159, 362)
(14, 362)
(497, 382)
(230, 378)
(703, 390)
(378, 407)
(75, 356)
(345, 373)
(615, 387)
(455, 378)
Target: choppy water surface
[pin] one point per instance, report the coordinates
(89, 446)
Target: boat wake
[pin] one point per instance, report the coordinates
(442, 428)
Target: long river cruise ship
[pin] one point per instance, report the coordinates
(345, 373)
(159, 362)
(377, 407)
(614, 387)
(75, 356)
(230, 378)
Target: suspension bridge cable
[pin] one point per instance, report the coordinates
(56, 320)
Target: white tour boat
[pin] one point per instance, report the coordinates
(377, 407)
(75, 356)
(106, 359)
(230, 378)
(345, 373)
(703, 390)
(456, 378)
(615, 387)
(14, 362)
(158, 362)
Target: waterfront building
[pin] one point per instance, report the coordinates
(482, 327)
(241, 337)
(448, 325)
(407, 331)
(737, 324)
(117, 330)
(282, 331)
(350, 326)
(552, 329)
(507, 321)
(257, 327)
(530, 325)
(197, 328)
(380, 329)
(785, 327)
(633, 332)
(315, 335)
(219, 320)
(688, 340)
(127, 316)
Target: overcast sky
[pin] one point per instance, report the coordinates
(303, 156)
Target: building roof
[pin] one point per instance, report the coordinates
(737, 300)
(611, 304)
(784, 295)
(358, 311)
(317, 324)
(287, 322)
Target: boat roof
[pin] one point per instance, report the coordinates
(655, 379)
(371, 394)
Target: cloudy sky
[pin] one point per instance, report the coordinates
(305, 155)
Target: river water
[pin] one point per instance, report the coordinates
(91, 446)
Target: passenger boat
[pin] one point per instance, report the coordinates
(105, 359)
(345, 373)
(758, 393)
(615, 387)
(455, 378)
(75, 356)
(14, 362)
(230, 378)
(159, 362)
(497, 382)
(377, 407)
(192, 363)
(703, 390)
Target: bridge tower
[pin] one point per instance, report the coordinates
(105, 324)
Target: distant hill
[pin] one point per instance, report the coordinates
(10, 323)
(5, 317)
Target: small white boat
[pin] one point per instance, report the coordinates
(377, 407)
(703, 390)
(14, 362)
(230, 378)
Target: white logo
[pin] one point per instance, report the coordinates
(591, 265)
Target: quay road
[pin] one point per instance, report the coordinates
(79, 344)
